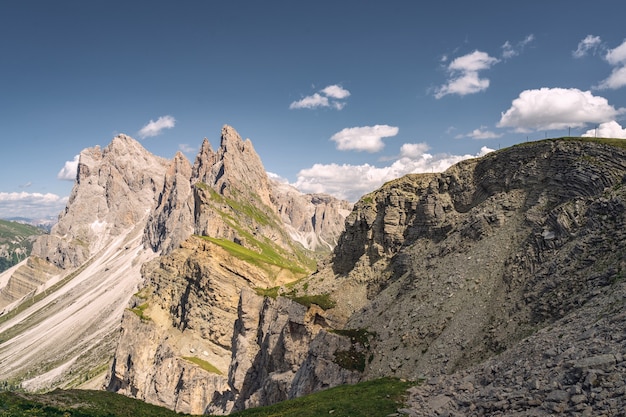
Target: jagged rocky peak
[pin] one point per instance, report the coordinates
(115, 190)
(234, 169)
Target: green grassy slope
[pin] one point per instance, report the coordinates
(367, 399)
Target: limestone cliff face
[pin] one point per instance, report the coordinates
(272, 359)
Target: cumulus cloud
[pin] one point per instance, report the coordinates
(610, 129)
(588, 45)
(413, 150)
(463, 74)
(336, 91)
(329, 96)
(32, 205)
(350, 182)
(509, 50)
(556, 108)
(155, 128)
(365, 138)
(617, 79)
(480, 133)
(69, 170)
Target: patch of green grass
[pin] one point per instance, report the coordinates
(266, 256)
(207, 366)
(77, 403)
(376, 398)
(322, 300)
(267, 292)
(140, 311)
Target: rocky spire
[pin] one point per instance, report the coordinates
(172, 220)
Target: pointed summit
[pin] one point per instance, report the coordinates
(205, 159)
(234, 169)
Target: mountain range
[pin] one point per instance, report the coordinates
(210, 288)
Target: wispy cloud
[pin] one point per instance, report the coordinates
(155, 128)
(330, 96)
(510, 50)
(557, 108)
(69, 170)
(463, 74)
(610, 129)
(617, 58)
(480, 133)
(365, 138)
(350, 182)
(588, 45)
(186, 148)
(33, 205)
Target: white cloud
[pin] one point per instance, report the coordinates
(616, 80)
(330, 96)
(310, 102)
(610, 129)
(463, 72)
(365, 138)
(336, 91)
(31, 205)
(69, 170)
(413, 150)
(154, 128)
(556, 108)
(618, 55)
(350, 182)
(480, 133)
(589, 44)
(509, 50)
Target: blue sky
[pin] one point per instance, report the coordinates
(336, 96)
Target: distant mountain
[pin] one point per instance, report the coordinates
(44, 223)
(16, 242)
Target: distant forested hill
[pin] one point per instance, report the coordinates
(16, 242)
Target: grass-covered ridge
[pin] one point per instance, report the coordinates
(380, 397)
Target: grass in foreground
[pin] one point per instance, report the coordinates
(367, 399)
(376, 398)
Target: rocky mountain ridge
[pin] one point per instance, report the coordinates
(127, 207)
